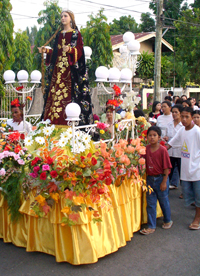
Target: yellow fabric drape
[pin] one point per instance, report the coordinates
(85, 242)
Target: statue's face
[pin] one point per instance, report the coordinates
(65, 18)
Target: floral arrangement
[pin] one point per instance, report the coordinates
(130, 101)
(141, 128)
(13, 159)
(103, 130)
(5, 127)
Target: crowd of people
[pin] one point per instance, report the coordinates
(176, 121)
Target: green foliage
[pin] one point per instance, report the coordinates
(124, 24)
(23, 56)
(148, 23)
(146, 68)
(50, 18)
(166, 71)
(6, 40)
(188, 44)
(32, 34)
(196, 4)
(96, 35)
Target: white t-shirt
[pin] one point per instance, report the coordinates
(162, 122)
(171, 132)
(19, 127)
(189, 141)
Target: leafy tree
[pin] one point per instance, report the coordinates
(166, 71)
(6, 40)
(23, 57)
(96, 35)
(124, 24)
(196, 4)
(50, 18)
(188, 42)
(148, 23)
(146, 68)
(32, 34)
(182, 72)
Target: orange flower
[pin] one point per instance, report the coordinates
(78, 200)
(65, 210)
(119, 153)
(141, 161)
(41, 200)
(123, 143)
(55, 196)
(130, 149)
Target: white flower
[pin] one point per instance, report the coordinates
(65, 136)
(62, 142)
(40, 140)
(47, 130)
(69, 132)
(78, 134)
(81, 147)
(52, 127)
(86, 138)
(28, 141)
(47, 122)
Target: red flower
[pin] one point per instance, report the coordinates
(49, 160)
(82, 158)
(19, 88)
(108, 181)
(43, 176)
(94, 161)
(17, 149)
(117, 90)
(144, 132)
(14, 136)
(89, 155)
(162, 143)
(53, 174)
(101, 191)
(22, 136)
(7, 147)
(35, 160)
(15, 103)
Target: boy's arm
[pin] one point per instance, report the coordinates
(163, 185)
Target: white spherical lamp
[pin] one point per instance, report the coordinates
(101, 74)
(134, 47)
(88, 52)
(22, 76)
(36, 76)
(128, 36)
(114, 75)
(126, 75)
(9, 76)
(73, 112)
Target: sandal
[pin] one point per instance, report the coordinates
(181, 196)
(147, 231)
(194, 226)
(167, 225)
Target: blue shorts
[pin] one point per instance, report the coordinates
(191, 192)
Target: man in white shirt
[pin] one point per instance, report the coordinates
(188, 138)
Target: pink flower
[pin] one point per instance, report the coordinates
(2, 172)
(45, 168)
(36, 169)
(20, 162)
(34, 175)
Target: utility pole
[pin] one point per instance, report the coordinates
(158, 45)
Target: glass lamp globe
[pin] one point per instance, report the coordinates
(134, 47)
(88, 52)
(126, 75)
(123, 49)
(128, 36)
(102, 74)
(114, 75)
(72, 111)
(36, 76)
(22, 76)
(9, 76)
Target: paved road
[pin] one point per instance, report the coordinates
(166, 252)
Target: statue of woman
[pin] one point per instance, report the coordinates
(66, 80)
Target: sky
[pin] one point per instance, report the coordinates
(25, 12)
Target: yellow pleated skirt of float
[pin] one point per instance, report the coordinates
(85, 242)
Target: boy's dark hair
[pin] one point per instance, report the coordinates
(168, 98)
(168, 103)
(187, 101)
(196, 112)
(183, 96)
(188, 109)
(171, 93)
(178, 106)
(154, 128)
(179, 101)
(154, 105)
